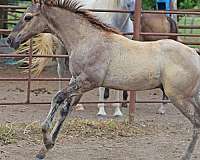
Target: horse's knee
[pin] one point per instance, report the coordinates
(59, 98)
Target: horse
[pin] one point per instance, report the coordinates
(118, 20)
(101, 57)
(167, 25)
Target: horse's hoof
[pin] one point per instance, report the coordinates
(101, 113)
(101, 116)
(39, 157)
(118, 115)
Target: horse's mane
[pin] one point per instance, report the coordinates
(75, 6)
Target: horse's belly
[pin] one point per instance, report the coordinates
(133, 74)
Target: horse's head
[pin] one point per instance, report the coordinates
(31, 23)
(131, 7)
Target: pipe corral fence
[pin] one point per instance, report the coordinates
(136, 36)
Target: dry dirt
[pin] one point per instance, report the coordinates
(169, 143)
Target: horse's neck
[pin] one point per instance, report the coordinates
(73, 29)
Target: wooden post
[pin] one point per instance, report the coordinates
(136, 36)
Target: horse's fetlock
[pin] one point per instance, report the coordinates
(49, 145)
(45, 126)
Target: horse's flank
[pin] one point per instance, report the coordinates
(147, 60)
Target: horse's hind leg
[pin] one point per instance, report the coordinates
(162, 108)
(125, 98)
(195, 136)
(194, 116)
(61, 69)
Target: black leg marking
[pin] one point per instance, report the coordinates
(106, 93)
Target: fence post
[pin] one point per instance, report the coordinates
(136, 36)
(29, 71)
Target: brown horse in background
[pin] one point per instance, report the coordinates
(157, 23)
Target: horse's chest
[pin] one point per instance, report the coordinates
(76, 64)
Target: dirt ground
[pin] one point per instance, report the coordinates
(167, 144)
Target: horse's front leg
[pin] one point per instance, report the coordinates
(56, 102)
(68, 97)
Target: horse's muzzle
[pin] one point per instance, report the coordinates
(13, 42)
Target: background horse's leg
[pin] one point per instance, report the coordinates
(63, 63)
(101, 107)
(162, 108)
(118, 97)
(125, 98)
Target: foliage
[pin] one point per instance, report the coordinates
(182, 4)
(148, 4)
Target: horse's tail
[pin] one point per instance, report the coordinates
(43, 44)
(173, 28)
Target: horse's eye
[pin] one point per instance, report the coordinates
(27, 18)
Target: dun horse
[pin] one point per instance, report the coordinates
(101, 57)
(149, 23)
